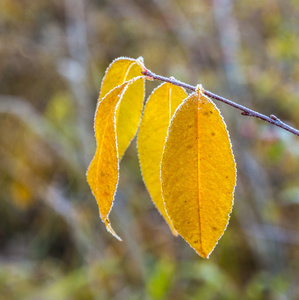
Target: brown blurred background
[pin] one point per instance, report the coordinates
(53, 55)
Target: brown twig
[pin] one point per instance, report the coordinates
(272, 119)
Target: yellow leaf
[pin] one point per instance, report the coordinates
(117, 73)
(151, 138)
(198, 173)
(129, 111)
(102, 174)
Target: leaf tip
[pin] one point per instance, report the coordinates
(203, 253)
(174, 232)
(110, 230)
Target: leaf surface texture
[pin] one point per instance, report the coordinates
(198, 173)
(116, 122)
(158, 111)
(129, 111)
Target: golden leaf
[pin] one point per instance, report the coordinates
(158, 111)
(117, 73)
(102, 174)
(198, 173)
(129, 111)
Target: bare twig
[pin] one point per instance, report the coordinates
(245, 111)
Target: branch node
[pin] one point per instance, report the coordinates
(273, 117)
(140, 61)
(245, 113)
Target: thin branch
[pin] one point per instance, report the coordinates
(272, 119)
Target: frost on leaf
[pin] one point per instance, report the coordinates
(184, 151)
(198, 173)
(116, 122)
(158, 111)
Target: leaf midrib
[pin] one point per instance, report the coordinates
(198, 171)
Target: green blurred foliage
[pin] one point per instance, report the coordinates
(53, 55)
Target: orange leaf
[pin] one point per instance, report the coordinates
(198, 173)
(102, 174)
(151, 138)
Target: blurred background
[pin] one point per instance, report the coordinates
(53, 55)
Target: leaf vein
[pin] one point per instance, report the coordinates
(198, 172)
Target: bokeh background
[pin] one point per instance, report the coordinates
(53, 55)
